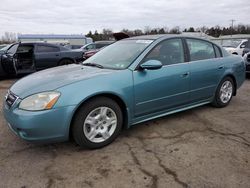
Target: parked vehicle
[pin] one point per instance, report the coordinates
(23, 58)
(131, 81)
(235, 47)
(96, 45)
(3, 45)
(90, 53)
(247, 61)
(4, 49)
(99, 45)
(246, 47)
(73, 47)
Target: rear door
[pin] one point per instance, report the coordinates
(46, 56)
(205, 68)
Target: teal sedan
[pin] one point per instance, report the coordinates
(131, 81)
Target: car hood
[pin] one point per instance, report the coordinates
(52, 79)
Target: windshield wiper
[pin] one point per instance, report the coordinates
(93, 65)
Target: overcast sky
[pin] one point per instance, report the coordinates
(80, 16)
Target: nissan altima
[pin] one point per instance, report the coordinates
(131, 81)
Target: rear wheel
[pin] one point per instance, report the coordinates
(224, 93)
(65, 62)
(97, 123)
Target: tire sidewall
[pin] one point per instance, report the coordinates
(65, 62)
(83, 112)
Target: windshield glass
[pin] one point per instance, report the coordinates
(231, 43)
(120, 54)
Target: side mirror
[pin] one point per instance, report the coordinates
(151, 65)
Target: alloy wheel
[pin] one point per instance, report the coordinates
(100, 124)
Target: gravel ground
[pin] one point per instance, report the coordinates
(202, 147)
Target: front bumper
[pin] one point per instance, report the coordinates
(42, 126)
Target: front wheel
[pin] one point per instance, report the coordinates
(97, 123)
(224, 93)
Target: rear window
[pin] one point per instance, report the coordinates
(200, 50)
(43, 48)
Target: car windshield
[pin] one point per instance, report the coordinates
(120, 54)
(231, 43)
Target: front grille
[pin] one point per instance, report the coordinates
(10, 99)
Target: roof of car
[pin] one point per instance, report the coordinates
(35, 43)
(104, 41)
(155, 37)
(152, 37)
(50, 36)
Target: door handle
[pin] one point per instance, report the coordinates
(57, 55)
(221, 67)
(185, 74)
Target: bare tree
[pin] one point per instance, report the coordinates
(9, 37)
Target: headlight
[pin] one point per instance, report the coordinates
(40, 101)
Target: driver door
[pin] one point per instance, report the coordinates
(9, 59)
(166, 88)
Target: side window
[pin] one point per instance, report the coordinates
(90, 47)
(42, 48)
(168, 52)
(13, 49)
(200, 50)
(217, 51)
(99, 45)
(243, 45)
(25, 49)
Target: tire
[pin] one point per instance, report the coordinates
(101, 130)
(248, 75)
(65, 62)
(220, 101)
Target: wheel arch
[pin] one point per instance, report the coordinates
(65, 58)
(112, 96)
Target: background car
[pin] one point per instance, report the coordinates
(102, 44)
(246, 47)
(72, 47)
(247, 61)
(90, 53)
(23, 58)
(132, 81)
(235, 47)
(5, 48)
(96, 45)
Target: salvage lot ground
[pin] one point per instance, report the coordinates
(202, 147)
